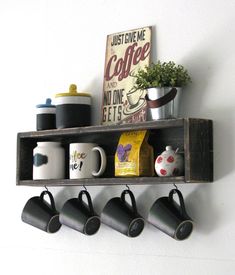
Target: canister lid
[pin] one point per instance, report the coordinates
(72, 92)
(46, 105)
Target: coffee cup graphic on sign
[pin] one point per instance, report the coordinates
(86, 160)
(134, 97)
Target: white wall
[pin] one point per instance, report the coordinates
(46, 45)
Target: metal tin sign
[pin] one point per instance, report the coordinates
(126, 53)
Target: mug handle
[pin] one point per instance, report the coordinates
(162, 100)
(84, 192)
(103, 161)
(51, 198)
(133, 202)
(181, 200)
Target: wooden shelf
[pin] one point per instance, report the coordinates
(104, 181)
(192, 136)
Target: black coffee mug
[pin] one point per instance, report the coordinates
(39, 213)
(123, 217)
(79, 216)
(170, 217)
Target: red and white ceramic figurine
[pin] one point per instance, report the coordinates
(169, 163)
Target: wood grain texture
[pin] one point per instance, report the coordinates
(198, 148)
(104, 181)
(193, 137)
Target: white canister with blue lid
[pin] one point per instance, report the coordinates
(46, 116)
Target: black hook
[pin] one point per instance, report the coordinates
(127, 187)
(46, 188)
(175, 186)
(84, 187)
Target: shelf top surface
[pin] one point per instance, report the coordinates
(167, 123)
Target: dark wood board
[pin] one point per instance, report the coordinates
(193, 137)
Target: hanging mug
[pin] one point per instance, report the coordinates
(39, 213)
(171, 217)
(80, 216)
(123, 217)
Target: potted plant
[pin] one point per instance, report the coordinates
(163, 82)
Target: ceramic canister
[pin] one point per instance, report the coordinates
(48, 160)
(169, 163)
(45, 116)
(73, 109)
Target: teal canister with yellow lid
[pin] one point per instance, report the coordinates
(73, 109)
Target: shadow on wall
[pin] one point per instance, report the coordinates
(224, 144)
(105, 195)
(149, 196)
(95, 88)
(201, 207)
(194, 95)
(65, 194)
(154, 49)
(204, 63)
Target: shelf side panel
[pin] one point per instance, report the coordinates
(24, 158)
(198, 150)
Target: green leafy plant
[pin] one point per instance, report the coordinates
(166, 74)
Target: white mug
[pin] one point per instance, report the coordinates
(84, 160)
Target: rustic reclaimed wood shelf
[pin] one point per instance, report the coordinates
(103, 181)
(192, 136)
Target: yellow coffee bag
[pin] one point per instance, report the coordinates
(134, 156)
